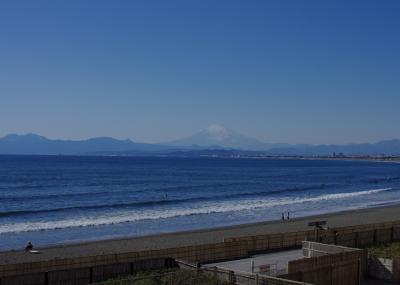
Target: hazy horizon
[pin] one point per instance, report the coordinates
(155, 71)
(193, 134)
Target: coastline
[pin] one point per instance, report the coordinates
(62, 229)
(199, 237)
(392, 159)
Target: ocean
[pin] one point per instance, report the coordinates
(62, 199)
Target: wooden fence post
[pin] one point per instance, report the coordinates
(316, 234)
(90, 275)
(335, 237)
(198, 266)
(356, 239)
(231, 277)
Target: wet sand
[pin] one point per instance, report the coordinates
(171, 240)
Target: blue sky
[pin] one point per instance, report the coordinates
(281, 71)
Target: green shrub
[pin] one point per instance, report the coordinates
(167, 277)
(389, 250)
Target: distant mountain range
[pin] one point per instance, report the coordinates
(35, 144)
(213, 141)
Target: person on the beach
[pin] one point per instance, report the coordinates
(283, 216)
(288, 215)
(29, 246)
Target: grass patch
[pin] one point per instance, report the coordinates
(167, 277)
(390, 250)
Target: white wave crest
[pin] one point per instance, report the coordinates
(153, 214)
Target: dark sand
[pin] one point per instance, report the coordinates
(347, 218)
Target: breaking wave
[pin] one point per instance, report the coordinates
(141, 204)
(210, 207)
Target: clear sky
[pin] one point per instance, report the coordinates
(281, 71)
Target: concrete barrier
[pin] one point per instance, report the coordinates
(384, 269)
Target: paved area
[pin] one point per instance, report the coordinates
(276, 262)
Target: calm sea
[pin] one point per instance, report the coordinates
(60, 199)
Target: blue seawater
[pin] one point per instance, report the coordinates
(62, 199)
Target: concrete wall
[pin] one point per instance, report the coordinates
(384, 269)
(103, 266)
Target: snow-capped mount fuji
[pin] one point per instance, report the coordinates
(217, 136)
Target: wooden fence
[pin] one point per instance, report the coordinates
(245, 278)
(87, 275)
(49, 271)
(352, 236)
(348, 267)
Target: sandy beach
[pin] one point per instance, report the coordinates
(153, 242)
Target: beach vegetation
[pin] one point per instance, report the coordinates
(167, 277)
(386, 250)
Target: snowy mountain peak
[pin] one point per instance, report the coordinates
(217, 132)
(217, 135)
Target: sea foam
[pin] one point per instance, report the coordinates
(210, 207)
